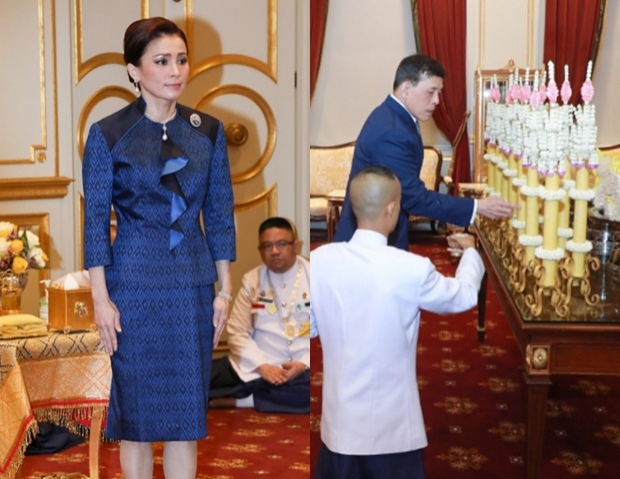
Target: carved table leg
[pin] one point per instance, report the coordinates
(482, 308)
(537, 392)
(93, 444)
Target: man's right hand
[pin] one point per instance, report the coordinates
(494, 207)
(461, 241)
(272, 374)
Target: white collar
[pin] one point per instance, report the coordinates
(401, 104)
(368, 238)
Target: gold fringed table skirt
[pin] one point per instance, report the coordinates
(61, 378)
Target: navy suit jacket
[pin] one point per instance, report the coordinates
(390, 138)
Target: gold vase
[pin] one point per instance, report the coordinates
(11, 288)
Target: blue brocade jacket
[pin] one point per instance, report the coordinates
(158, 190)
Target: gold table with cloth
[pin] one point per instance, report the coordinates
(61, 378)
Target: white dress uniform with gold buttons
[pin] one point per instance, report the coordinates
(270, 320)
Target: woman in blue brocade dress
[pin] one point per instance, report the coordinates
(160, 165)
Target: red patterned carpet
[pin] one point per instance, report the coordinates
(241, 444)
(473, 398)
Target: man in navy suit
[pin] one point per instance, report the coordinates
(391, 138)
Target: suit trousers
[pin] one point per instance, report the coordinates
(292, 397)
(402, 465)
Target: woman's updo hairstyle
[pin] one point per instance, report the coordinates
(142, 32)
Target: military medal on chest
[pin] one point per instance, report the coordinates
(285, 308)
(290, 330)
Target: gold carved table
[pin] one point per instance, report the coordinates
(61, 378)
(585, 342)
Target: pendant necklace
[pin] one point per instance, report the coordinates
(164, 136)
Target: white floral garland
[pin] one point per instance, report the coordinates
(565, 233)
(508, 173)
(502, 165)
(488, 190)
(488, 157)
(568, 184)
(518, 224)
(495, 193)
(550, 195)
(585, 195)
(494, 159)
(527, 240)
(518, 182)
(529, 190)
(549, 254)
(579, 247)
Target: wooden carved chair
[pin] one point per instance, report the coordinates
(430, 174)
(329, 172)
(448, 179)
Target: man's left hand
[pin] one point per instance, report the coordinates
(293, 369)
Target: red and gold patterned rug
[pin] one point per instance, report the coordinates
(473, 399)
(241, 444)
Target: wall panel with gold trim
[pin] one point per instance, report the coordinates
(29, 152)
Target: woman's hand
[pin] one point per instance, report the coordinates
(107, 317)
(220, 316)
(221, 303)
(108, 322)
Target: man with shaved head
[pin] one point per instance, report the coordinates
(366, 303)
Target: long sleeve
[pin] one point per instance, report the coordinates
(244, 351)
(218, 210)
(97, 178)
(440, 294)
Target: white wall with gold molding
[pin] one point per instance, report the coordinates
(66, 73)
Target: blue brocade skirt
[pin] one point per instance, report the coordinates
(162, 368)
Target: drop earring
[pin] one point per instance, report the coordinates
(137, 88)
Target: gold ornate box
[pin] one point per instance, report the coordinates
(71, 309)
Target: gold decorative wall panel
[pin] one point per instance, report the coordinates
(270, 119)
(269, 68)
(269, 196)
(33, 32)
(34, 188)
(84, 67)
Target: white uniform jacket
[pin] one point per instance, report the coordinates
(366, 302)
(255, 328)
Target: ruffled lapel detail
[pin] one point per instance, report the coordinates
(174, 160)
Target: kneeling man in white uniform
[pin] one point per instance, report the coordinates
(269, 331)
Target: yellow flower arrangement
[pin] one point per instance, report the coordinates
(19, 249)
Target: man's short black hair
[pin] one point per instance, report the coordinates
(277, 222)
(417, 67)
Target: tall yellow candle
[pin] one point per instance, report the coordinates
(512, 189)
(531, 212)
(580, 222)
(499, 175)
(520, 197)
(564, 211)
(491, 169)
(550, 229)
